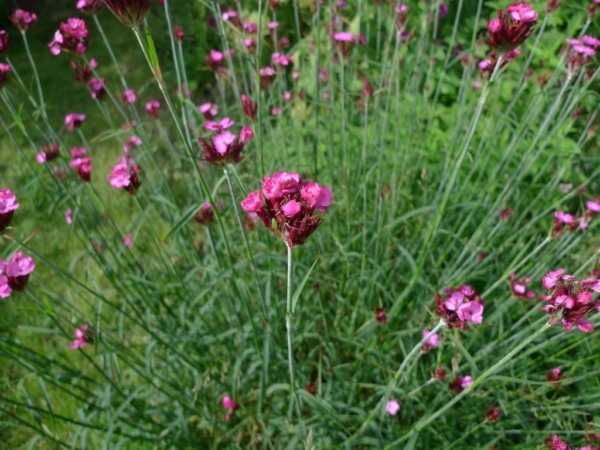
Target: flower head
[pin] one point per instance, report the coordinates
(229, 405)
(224, 147)
(23, 19)
(512, 27)
(178, 33)
(48, 152)
(209, 110)
(89, 6)
(492, 414)
(129, 12)
(433, 340)
(97, 87)
(380, 315)
(128, 240)
(72, 36)
(129, 97)
(17, 271)
(152, 108)
(82, 336)
(519, 288)
(462, 305)
(82, 72)
(4, 69)
(461, 383)
(125, 175)
(8, 205)
(81, 163)
(206, 214)
(392, 407)
(288, 207)
(73, 121)
(4, 42)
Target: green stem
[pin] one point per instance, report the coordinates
(289, 318)
(36, 76)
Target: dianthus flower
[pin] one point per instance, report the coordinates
(580, 52)
(82, 336)
(224, 147)
(206, 214)
(4, 69)
(461, 383)
(125, 175)
(392, 407)
(433, 340)
(129, 12)
(267, 75)
(519, 288)
(152, 108)
(97, 87)
(570, 300)
(554, 443)
(132, 142)
(82, 72)
(512, 27)
(89, 6)
(73, 121)
(344, 41)
(209, 110)
(178, 33)
(229, 405)
(48, 152)
(129, 97)
(554, 376)
(288, 206)
(8, 205)
(249, 107)
(461, 305)
(17, 270)
(492, 414)
(4, 42)
(380, 315)
(81, 163)
(72, 36)
(23, 19)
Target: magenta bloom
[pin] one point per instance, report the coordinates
(73, 121)
(129, 12)
(461, 383)
(97, 87)
(125, 175)
(4, 42)
(49, 152)
(4, 69)
(230, 405)
(82, 336)
(129, 97)
(23, 19)
(5, 289)
(554, 376)
(152, 108)
(249, 107)
(89, 6)
(519, 288)
(81, 163)
(72, 36)
(69, 216)
(512, 27)
(209, 110)
(462, 305)
(178, 33)
(392, 407)
(8, 205)
(593, 205)
(128, 240)
(492, 414)
(132, 142)
(283, 206)
(570, 300)
(82, 72)
(225, 147)
(433, 340)
(17, 271)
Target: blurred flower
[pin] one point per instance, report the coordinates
(128, 240)
(152, 108)
(250, 27)
(205, 214)
(552, 5)
(89, 6)
(593, 205)
(48, 152)
(287, 206)
(82, 336)
(17, 270)
(392, 407)
(512, 27)
(505, 213)
(570, 300)
(4, 42)
(129, 97)
(267, 75)
(281, 60)
(73, 121)
(82, 72)
(125, 175)
(492, 414)
(8, 205)
(97, 87)
(129, 12)
(276, 111)
(380, 315)
(224, 147)
(69, 216)
(4, 69)
(461, 383)
(208, 110)
(178, 33)
(81, 163)
(554, 443)
(554, 376)
(443, 11)
(230, 405)
(249, 107)
(23, 19)
(432, 341)
(580, 52)
(519, 288)
(462, 305)
(5, 289)
(72, 36)
(132, 142)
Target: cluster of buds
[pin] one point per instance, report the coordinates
(570, 300)
(4, 42)
(288, 206)
(97, 87)
(224, 147)
(125, 175)
(14, 274)
(82, 163)
(72, 36)
(23, 19)
(129, 12)
(518, 288)
(461, 305)
(83, 335)
(8, 206)
(555, 376)
(580, 52)
(492, 414)
(178, 33)
(48, 152)
(380, 315)
(89, 6)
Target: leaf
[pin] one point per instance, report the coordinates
(181, 222)
(153, 57)
(301, 286)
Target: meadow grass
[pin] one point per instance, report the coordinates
(221, 332)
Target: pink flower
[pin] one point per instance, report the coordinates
(291, 208)
(206, 214)
(275, 111)
(522, 12)
(129, 97)
(129, 12)
(4, 42)
(18, 270)
(380, 315)
(128, 240)
(81, 163)
(253, 203)
(73, 121)
(433, 339)
(593, 205)
(249, 107)
(230, 405)
(125, 175)
(69, 216)
(82, 336)
(462, 305)
(5, 289)
(519, 287)
(209, 110)
(72, 36)
(8, 205)
(316, 195)
(23, 19)
(554, 376)
(152, 108)
(224, 147)
(178, 33)
(551, 278)
(89, 6)
(217, 127)
(511, 28)
(392, 407)
(461, 383)
(82, 72)
(492, 414)
(4, 69)
(132, 142)
(97, 87)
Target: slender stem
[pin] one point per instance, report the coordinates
(289, 317)
(36, 76)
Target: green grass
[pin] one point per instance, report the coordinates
(193, 313)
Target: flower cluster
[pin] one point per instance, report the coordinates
(224, 147)
(288, 206)
(519, 288)
(23, 19)
(461, 305)
(152, 108)
(570, 300)
(580, 52)
(73, 121)
(564, 222)
(47, 152)
(14, 274)
(83, 335)
(129, 97)
(82, 163)
(8, 206)
(129, 12)
(125, 175)
(72, 36)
